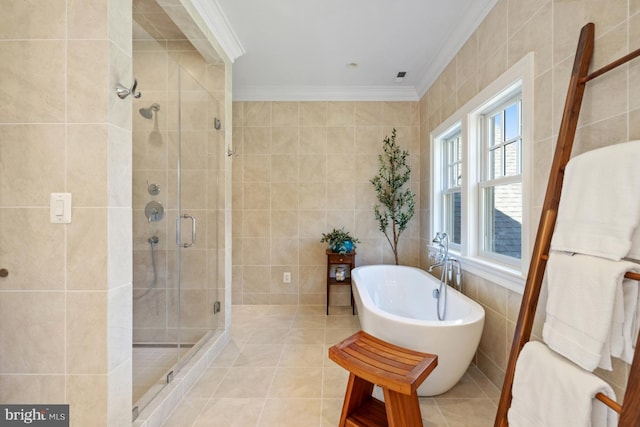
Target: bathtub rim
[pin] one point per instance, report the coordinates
(477, 313)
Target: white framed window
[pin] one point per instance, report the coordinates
(451, 209)
(500, 181)
(481, 164)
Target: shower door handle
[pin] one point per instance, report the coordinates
(193, 231)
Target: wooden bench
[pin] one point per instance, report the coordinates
(398, 371)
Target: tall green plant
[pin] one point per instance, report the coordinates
(397, 203)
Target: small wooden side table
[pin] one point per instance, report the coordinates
(347, 260)
(399, 371)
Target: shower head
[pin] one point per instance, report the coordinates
(147, 113)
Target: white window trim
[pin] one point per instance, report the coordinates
(519, 77)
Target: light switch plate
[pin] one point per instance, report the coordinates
(60, 208)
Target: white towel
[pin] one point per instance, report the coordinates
(616, 336)
(580, 306)
(600, 208)
(550, 391)
(634, 252)
(631, 321)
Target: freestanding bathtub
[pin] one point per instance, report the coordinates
(396, 304)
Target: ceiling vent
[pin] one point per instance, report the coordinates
(400, 76)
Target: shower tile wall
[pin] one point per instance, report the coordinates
(550, 29)
(155, 158)
(65, 306)
(302, 169)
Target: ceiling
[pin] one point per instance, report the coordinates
(345, 49)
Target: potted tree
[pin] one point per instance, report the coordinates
(339, 241)
(397, 202)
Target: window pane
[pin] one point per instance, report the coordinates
(458, 159)
(452, 178)
(503, 220)
(452, 162)
(453, 216)
(495, 163)
(512, 158)
(496, 130)
(512, 122)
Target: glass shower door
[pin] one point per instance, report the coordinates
(175, 226)
(195, 275)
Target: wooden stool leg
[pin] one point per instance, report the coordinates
(358, 391)
(402, 410)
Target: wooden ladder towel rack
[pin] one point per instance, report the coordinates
(630, 409)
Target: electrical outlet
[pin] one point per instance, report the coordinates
(286, 277)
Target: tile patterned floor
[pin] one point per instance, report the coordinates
(275, 372)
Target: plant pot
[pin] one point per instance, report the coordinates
(343, 247)
(348, 246)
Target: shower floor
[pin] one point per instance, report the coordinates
(150, 366)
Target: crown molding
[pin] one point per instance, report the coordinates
(450, 49)
(325, 93)
(217, 22)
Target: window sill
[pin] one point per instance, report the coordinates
(502, 275)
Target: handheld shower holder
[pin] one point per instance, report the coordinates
(123, 92)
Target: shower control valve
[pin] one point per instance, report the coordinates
(154, 211)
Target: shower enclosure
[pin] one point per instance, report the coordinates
(175, 218)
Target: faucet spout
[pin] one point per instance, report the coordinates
(434, 266)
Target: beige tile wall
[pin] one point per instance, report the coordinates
(271, 137)
(609, 115)
(65, 307)
(302, 169)
(76, 135)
